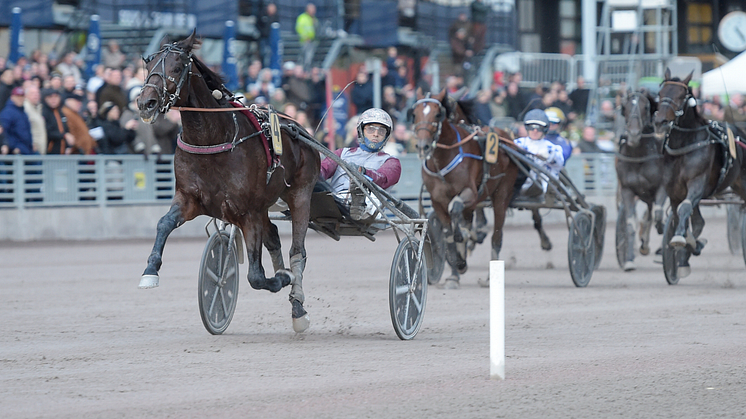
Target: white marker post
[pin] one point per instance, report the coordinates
(497, 319)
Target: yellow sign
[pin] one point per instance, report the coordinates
(140, 180)
(274, 131)
(491, 148)
(732, 143)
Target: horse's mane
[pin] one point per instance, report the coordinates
(213, 80)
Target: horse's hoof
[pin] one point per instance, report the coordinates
(683, 271)
(451, 285)
(701, 243)
(644, 250)
(677, 242)
(301, 324)
(546, 245)
(148, 281)
(301, 320)
(484, 283)
(629, 266)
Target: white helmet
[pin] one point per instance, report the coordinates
(374, 116)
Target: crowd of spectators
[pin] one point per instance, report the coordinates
(48, 106)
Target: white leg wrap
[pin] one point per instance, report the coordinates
(297, 266)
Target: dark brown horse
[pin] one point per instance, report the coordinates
(224, 170)
(699, 163)
(639, 168)
(457, 177)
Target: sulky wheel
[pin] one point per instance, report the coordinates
(407, 290)
(734, 228)
(218, 283)
(435, 249)
(580, 249)
(670, 265)
(599, 231)
(622, 240)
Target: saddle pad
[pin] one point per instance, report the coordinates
(731, 143)
(257, 126)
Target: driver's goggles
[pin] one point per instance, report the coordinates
(532, 127)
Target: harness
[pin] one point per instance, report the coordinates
(456, 160)
(258, 119)
(167, 99)
(636, 159)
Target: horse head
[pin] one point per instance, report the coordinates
(169, 70)
(637, 112)
(427, 115)
(675, 99)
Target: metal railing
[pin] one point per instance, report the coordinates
(68, 181)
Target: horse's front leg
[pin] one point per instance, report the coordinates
(168, 223)
(628, 206)
(660, 199)
(695, 190)
(546, 244)
(645, 224)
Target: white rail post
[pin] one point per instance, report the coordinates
(497, 319)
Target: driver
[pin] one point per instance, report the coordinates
(373, 130)
(548, 154)
(556, 118)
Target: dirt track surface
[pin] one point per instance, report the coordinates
(80, 340)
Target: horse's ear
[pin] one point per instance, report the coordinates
(688, 78)
(442, 95)
(420, 95)
(192, 42)
(165, 40)
(667, 75)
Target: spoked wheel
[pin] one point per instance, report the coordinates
(218, 283)
(622, 241)
(580, 249)
(407, 290)
(599, 232)
(435, 248)
(670, 259)
(734, 228)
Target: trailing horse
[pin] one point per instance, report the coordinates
(640, 173)
(701, 158)
(224, 168)
(458, 178)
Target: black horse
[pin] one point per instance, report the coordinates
(639, 170)
(701, 158)
(224, 169)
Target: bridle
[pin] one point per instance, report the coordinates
(167, 99)
(678, 108)
(429, 125)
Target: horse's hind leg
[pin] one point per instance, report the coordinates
(481, 228)
(166, 225)
(253, 235)
(299, 201)
(546, 244)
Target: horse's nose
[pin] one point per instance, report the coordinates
(423, 148)
(148, 105)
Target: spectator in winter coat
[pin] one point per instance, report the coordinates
(18, 139)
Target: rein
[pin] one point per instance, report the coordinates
(456, 160)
